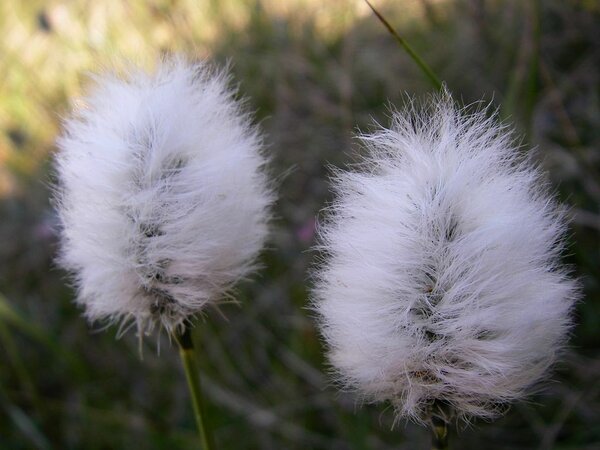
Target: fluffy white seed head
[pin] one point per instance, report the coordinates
(441, 281)
(162, 194)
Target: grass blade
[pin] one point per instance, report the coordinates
(435, 81)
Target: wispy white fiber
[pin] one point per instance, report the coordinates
(162, 194)
(441, 281)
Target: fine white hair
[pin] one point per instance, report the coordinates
(440, 281)
(162, 194)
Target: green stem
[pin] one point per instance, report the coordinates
(534, 65)
(14, 357)
(439, 434)
(186, 351)
(435, 81)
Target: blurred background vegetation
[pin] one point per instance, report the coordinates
(314, 71)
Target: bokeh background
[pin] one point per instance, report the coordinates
(314, 72)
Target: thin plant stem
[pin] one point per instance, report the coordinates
(440, 414)
(435, 81)
(534, 64)
(13, 356)
(192, 374)
(524, 84)
(439, 434)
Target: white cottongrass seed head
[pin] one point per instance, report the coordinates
(162, 194)
(441, 282)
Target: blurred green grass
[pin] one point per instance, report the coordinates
(314, 72)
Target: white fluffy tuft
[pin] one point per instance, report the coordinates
(441, 281)
(162, 194)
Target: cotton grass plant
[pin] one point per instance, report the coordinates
(163, 200)
(441, 289)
